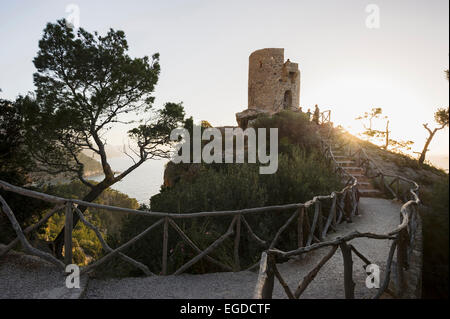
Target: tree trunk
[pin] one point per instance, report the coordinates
(386, 145)
(425, 148)
(90, 197)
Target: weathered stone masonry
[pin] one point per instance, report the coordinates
(273, 84)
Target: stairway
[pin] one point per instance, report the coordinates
(365, 186)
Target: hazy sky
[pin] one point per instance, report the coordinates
(204, 47)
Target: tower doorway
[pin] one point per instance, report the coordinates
(287, 100)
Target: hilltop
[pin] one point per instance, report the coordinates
(399, 164)
(92, 167)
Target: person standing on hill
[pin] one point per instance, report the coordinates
(316, 115)
(308, 114)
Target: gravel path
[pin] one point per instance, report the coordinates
(29, 277)
(376, 215)
(23, 276)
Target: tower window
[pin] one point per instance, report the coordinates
(292, 76)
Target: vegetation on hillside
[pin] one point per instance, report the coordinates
(91, 166)
(435, 219)
(302, 173)
(86, 244)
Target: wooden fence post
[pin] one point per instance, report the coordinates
(165, 246)
(349, 285)
(334, 210)
(402, 246)
(398, 188)
(313, 227)
(267, 291)
(300, 227)
(68, 227)
(237, 238)
(320, 220)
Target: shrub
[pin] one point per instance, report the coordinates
(88, 245)
(294, 128)
(300, 176)
(436, 240)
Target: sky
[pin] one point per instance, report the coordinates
(204, 46)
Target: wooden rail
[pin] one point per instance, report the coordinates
(311, 230)
(325, 117)
(402, 237)
(315, 230)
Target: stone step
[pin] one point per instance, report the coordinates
(342, 158)
(361, 178)
(370, 193)
(365, 185)
(346, 162)
(339, 153)
(353, 168)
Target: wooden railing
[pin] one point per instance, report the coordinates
(313, 224)
(311, 229)
(308, 232)
(403, 239)
(70, 206)
(325, 116)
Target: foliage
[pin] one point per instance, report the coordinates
(14, 160)
(442, 118)
(86, 83)
(435, 217)
(14, 165)
(86, 244)
(382, 135)
(293, 128)
(302, 173)
(91, 166)
(205, 124)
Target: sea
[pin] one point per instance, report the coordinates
(144, 182)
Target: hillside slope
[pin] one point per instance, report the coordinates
(434, 211)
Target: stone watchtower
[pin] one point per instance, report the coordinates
(273, 84)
